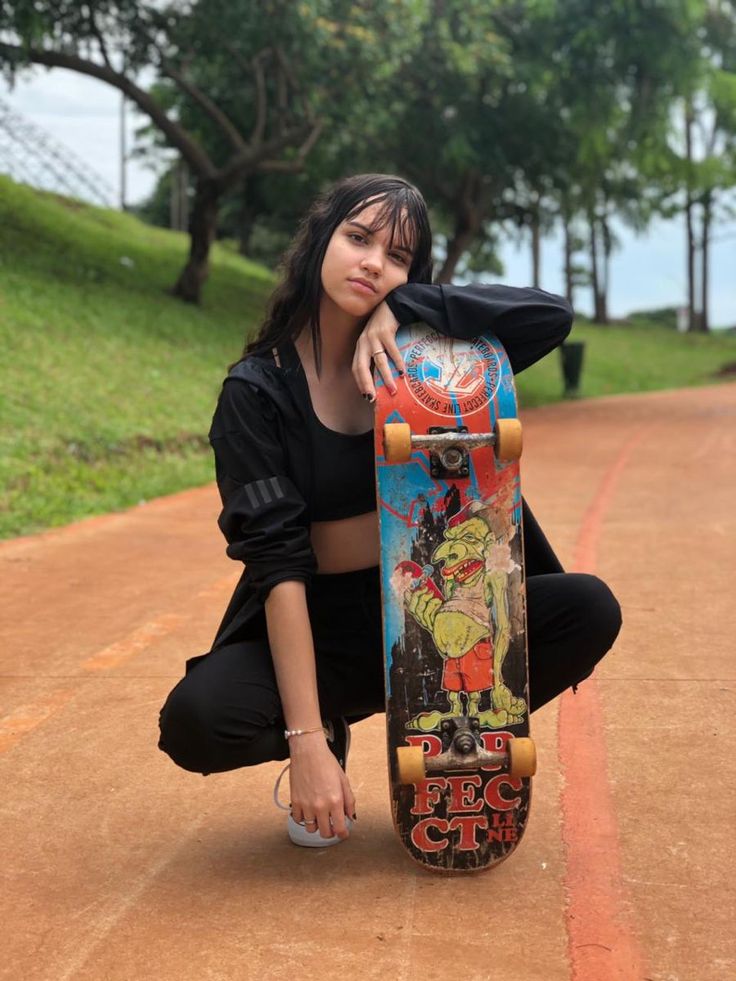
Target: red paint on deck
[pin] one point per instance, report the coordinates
(601, 942)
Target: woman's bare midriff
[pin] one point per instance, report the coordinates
(346, 545)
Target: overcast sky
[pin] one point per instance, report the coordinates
(84, 115)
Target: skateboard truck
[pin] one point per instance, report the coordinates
(450, 447)
(450, 461)
(462, 749)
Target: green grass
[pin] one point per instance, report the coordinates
(108, 383)
(639, 357)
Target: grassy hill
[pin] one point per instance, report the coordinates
(108, 383)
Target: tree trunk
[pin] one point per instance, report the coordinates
(179, 205)
(604, 284)
(704, 324)
(594, 281)
(691, 316)
(569, 285)
(459, 243)
(536, 249)
(536, 252)
(598, 281)
(202, 228)
(468, 220)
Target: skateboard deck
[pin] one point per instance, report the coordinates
(453, 590)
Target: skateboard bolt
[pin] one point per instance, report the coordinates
(464, 743)
(452, 458)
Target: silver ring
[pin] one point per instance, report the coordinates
(378, 352)
(313, 821)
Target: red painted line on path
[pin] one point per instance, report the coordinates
(28, 717)
(602, 945)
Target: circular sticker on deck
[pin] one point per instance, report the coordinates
(450, 377)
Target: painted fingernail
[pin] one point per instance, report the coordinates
(366, 396)
(355, 817)
(401, 374)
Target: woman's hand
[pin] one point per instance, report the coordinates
(377, 343)
(319, 787)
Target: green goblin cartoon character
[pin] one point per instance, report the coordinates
(476, 563)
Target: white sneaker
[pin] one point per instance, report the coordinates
(312, 839)
(338, 739)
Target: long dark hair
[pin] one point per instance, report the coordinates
(295, 302)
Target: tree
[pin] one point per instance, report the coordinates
(710, 121)
(440, 127)
(618, 68)
(275, 126)
(349, 54)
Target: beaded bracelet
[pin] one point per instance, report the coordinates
(288, 733)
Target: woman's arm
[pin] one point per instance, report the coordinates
(319, 786)
(292, 649)
(263, 517)
(529, 322)
(264, 521)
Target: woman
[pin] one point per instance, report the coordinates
(298, 655)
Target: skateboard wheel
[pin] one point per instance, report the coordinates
(508, 439)
(522, 757)
(397, 442)
(410, 761)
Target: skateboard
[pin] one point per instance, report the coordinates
(453, 591)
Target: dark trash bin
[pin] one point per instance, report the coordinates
(571, 354)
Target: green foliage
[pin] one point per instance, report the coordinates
(133, 28)
(661, 317)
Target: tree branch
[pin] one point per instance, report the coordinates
(282, 99)
(286, 68)
(255, 66)
(205, 103)
(295, 165)
(99, 38)
(261, 107)
(294, 85)
(192, 152)
(256, 158)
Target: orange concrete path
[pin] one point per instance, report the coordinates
(116, 865)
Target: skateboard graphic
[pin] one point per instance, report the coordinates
(453, 590)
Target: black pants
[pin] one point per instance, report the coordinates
(226, 712)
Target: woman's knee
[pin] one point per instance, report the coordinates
(604, 609)
(186, 725)
(599, 615)
(209, 727)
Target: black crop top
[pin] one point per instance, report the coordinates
(344, 474)
(343, 469)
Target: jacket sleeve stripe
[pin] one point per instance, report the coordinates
(263, 492)
(276, 487)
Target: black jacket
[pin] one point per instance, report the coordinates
(260, 438)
